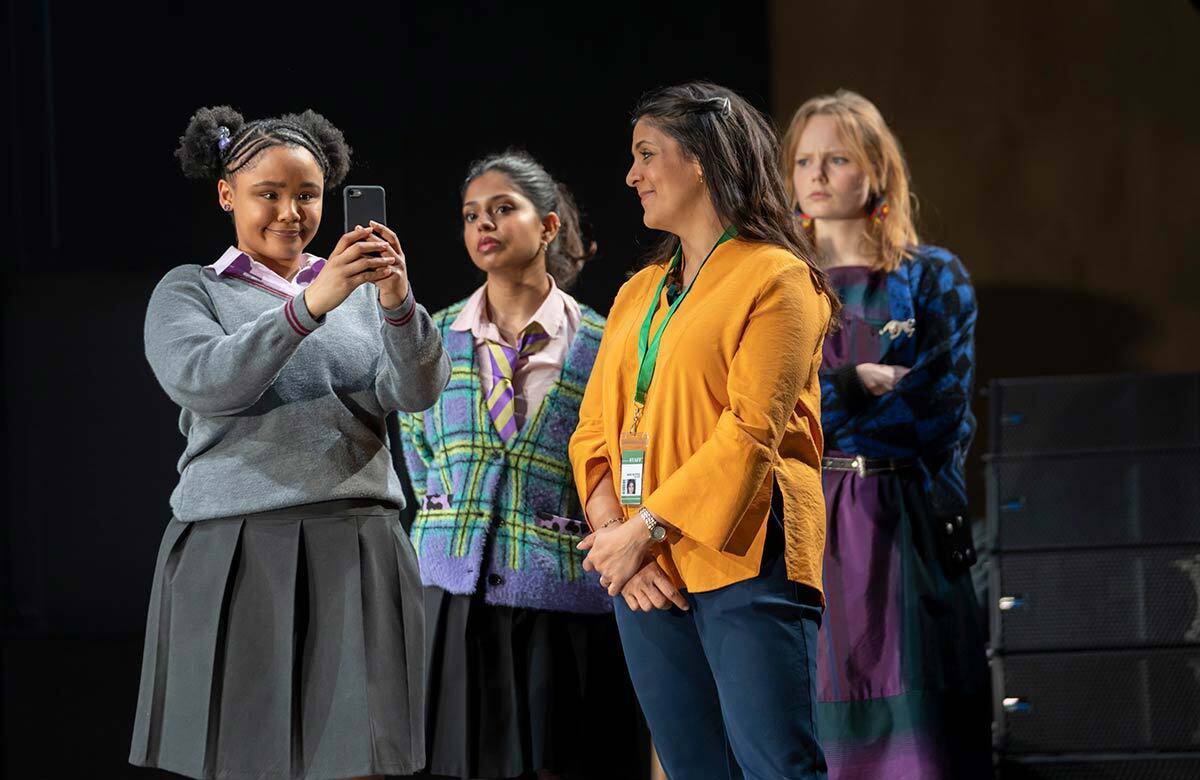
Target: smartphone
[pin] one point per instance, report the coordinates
(363, 203)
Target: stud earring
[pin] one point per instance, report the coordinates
(227, 206)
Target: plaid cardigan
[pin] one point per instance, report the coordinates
(928, 415)
(478, 498)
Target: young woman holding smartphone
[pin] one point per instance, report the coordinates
(284, 637)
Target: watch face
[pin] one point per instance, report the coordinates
(659, 533)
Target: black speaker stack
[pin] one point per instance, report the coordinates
(1094, 585)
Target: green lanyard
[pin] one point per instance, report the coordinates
(647, 348)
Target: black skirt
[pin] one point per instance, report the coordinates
(512, 691)
(287, 645)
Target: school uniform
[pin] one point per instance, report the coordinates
(524, 662)
(284, 636)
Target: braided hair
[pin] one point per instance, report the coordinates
(571, 248)
(218, 142)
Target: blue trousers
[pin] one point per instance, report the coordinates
(729, 688)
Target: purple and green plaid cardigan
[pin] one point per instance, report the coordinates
(478, 499)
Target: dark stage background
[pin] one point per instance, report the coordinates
(100, 95)
(1053, 148)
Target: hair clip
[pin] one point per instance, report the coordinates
(718, 105)
(222, 139)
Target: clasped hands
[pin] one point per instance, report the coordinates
(621, 554)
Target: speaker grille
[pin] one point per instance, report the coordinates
(1185, 767)
(1094, 519)
(1098, 702)
(1095, 499)
(1103, 412)
(1098, 599)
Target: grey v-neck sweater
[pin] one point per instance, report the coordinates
(280, 409)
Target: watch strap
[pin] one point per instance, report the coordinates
(652, 525)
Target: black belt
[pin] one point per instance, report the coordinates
(866, 467)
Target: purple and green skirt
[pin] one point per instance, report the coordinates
(902, 685)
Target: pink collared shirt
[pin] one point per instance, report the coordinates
(558, 315)
(235, 262)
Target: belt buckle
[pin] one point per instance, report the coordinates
(859, 464)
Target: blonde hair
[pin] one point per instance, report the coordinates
(873, 146)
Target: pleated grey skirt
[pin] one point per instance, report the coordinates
(286, 644)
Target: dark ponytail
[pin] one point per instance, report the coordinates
(737, 150)
(572, 247)
(218, 142)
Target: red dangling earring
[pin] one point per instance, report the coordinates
(806, 222)
(877, 209)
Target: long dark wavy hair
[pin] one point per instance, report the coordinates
(738, 151)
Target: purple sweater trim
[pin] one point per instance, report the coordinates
(290, 314)
(509, 588)
(403, 313)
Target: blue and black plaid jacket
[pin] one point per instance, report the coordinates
(928, 415)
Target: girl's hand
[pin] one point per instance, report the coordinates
(652, 589)
(617, 553)
(393, 289)
(347, 267)
(878, 378)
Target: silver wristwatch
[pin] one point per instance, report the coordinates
(658, 532)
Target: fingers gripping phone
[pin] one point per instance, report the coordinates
(363, 203)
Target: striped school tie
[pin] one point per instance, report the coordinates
(501, 402)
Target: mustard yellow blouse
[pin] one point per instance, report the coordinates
(734, 406)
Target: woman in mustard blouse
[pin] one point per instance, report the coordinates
(704, 403)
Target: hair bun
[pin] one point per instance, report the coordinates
(199, 151)
(330, 140)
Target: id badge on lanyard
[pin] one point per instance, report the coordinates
(633, 467)
(635, 445)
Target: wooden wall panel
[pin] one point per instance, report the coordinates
(1054, 146)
